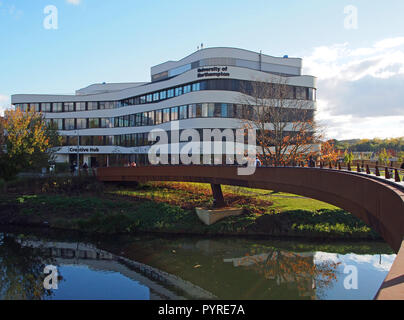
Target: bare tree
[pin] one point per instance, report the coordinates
(283, 117)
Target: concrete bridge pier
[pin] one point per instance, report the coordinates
(218, 201)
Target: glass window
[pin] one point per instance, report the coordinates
(128, 138)
(301, 93)
(142, 99)
(24, 107)
(138, 119)
(211, 110)
(117, 140)
(170, 93)
(105, 123)
(58, 123)
(238, 111)
(98, 141)
(166, 115)
(121, 122)
(58, 107)
(65, 141)
(125, 121)
(34, 107)
(174, 113)
(86, 140)
(73, 141)
(187, 89)
(69, 106)
(156, 96)
(109, 140)
(149, 98)
(94, 123)
(163, 95)
(145, 121)
(312, 94)
(92, 105)
(223, 111)
(132, 120)
(158, 117)
(196, 86)
(81, 123)
(178, 91)
(205, 110)
(80, 106)
(183, 112)
(151, 118)
(230, 110)
(69, 124)
(192, 111)
(46, 107)
(199, 110)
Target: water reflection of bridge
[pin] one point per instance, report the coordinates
(162, 285)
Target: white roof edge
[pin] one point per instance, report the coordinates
(229, 52)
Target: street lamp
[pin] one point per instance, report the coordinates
(78, 154)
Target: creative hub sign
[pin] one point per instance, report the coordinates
(84, 150)
(213, 72)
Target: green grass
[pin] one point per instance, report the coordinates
(169, 208)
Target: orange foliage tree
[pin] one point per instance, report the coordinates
(29, 142)
(328, 153)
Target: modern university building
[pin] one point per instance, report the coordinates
(108, 124)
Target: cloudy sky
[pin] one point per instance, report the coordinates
(355, 48)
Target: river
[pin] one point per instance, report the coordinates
(151, 267)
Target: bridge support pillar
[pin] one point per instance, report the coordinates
(218, 200)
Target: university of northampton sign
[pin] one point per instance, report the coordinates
(213, 72)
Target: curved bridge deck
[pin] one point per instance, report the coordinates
(376, 201)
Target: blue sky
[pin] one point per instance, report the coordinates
(360, 70)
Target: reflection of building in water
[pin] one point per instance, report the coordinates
(162, 285)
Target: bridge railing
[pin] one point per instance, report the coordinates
(389, 173)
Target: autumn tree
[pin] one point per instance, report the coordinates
(283, 118)
(30, 142)
(328, 152)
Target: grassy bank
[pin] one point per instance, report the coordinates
(83, 204)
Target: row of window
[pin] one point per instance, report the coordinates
(73, 124)
(199, 110)
(286, 91)
(142, 139)
(125, 140)
(208, 110)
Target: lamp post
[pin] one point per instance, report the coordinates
(78, 154)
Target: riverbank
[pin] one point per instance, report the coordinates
(85, 205)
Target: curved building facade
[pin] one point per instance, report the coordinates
(108, 124)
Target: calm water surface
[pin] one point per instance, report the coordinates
(152, 267)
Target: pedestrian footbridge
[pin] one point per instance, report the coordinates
(377, 201)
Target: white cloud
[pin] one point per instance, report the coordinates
(5, 103)
(360, 90)
(74, 2)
